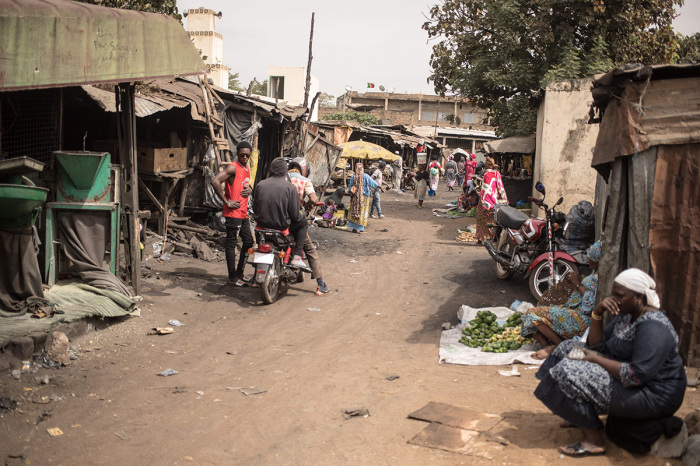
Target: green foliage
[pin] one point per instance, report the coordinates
(453, 119)
(260, 88)
(234, 83)
(168, 7)
(326, 100)
(494, 52)
(360, 117)
(688, 48)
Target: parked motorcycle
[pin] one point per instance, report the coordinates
(272, 263)
(530, 246)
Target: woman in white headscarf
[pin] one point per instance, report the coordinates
(635, 375)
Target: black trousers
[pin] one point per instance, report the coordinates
(234, 228)
(299, 230)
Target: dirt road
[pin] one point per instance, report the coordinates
(382, 319)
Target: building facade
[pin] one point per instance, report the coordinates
(201, 27)
(288, 83)
(414, 109)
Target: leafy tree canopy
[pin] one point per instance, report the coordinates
(234, 82)
(326, 100)
(259, 88)
(360, 117)
(168, 7)
(688, 48)
(495, 52)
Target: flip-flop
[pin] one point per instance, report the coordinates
(240, 282)
(579, 451)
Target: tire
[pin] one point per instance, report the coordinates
(505, 246)
(539, 277)
(270, 287)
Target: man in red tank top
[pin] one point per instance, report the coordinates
(235, 193)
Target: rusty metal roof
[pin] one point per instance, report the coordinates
(57, 43)
(147, 103)
(512, 145)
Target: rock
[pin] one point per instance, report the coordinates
(692, 420)
(21, 347)
(446, 326)
(169, 248)
(202, 250)
(691, 457)
(671, 447)
(184, 248)
(56, 348)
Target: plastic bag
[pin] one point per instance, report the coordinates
(211, 167)
(581, 229)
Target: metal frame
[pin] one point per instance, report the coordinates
(50, 266)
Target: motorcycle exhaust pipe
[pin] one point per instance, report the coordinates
(497, 255)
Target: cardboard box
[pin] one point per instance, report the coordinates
(166, 159)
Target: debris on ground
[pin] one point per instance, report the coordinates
(7, 404)
(175, 323)
(167, 372)
(356, 412)
(252, 391)
(161, 331)
(54, 431)
(56, 348)
(392, 377)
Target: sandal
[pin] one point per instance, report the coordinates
(579, 451)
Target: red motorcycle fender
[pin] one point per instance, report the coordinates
(545, 257)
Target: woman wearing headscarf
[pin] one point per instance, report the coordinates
(450, 173)
(492, 193)
(557, 323)
(469, 170)
(360, 197)
(461, 168)
(635, 375)
(421, 180)
(434, 171)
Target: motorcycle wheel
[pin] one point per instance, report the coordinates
(539, 278)
(270, 287)
(504, 246)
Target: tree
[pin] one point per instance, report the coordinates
(168, 7)
(360, 117)
(233, 82)
(259, 88)
(688, 48)
(494, 52)
(453, 119)
(326, 100)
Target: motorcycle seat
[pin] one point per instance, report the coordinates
(510, 217)
(285, 232)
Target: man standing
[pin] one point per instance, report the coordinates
(276, 206)
(297, 175)
(376, 201)
(235, 193)
(397, 168)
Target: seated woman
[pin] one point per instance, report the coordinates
(637, 374)
(557, 323)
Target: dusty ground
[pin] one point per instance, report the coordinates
(382, 319)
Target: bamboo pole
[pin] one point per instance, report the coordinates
(307, 88)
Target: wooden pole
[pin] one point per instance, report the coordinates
(307, 89)
(313, 103)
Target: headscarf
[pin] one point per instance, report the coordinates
(639, 282)
(472, 156)
(451, 157)
(489, 164)
(593, 252)
(358, 182)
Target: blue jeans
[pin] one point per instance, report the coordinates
(375, 203)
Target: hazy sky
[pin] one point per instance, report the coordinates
(355, 42)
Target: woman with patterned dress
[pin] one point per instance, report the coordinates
(421, 180)
(492, 193)
(360, 197)
(635, 375)
(557, 323)
(434, 172)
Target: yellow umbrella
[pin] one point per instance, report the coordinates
(364, 151)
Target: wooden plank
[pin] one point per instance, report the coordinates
(183, 195)
(150, 195)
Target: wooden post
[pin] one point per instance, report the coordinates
(307, 88)
(126, 132)
(311, 109)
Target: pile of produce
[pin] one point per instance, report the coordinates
(485, 333)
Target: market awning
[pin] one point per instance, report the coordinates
(57, 43)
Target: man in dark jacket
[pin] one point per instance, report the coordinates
(276, 206)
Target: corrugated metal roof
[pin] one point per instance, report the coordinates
(146, 102)
(512, 145)
(57, 43)
(429, 131)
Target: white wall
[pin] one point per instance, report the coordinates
(201, 27)
(565, 143)
(294, 83)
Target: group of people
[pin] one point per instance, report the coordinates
(277, 204)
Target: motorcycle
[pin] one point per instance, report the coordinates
(520, 244)
(272, 261)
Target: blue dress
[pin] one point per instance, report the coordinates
(652, 378)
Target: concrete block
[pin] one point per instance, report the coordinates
(39, 339)
(692, 452)
(21, 347)
(671, 447)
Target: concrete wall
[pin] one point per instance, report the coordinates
(201, 27)
(565, 143)
(294, 84)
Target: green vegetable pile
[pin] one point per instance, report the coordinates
(485, 333)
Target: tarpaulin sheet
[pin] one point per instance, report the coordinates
(77, 301)
(625, 225)
(454, 352)
(675, 242)
(20, 277)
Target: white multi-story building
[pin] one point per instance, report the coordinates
(201, 26)
(288, 82)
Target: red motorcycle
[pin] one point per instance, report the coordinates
(530, 246)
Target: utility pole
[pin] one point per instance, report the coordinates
(307, 89)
